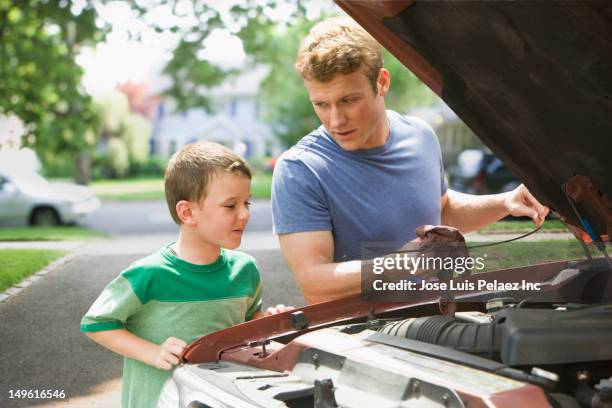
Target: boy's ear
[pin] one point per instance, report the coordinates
(184, 210)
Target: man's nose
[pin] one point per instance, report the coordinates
(337, 118)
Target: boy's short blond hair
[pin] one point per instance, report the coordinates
(339, 45)
(192, 168)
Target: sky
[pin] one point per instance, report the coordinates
(119, 59)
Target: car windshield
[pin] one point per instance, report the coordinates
(28, 179)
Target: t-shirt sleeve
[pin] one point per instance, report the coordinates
(255, 305)
(443, 181)
(255, 301)
(433, 149)
(298, 202)
(112, 308)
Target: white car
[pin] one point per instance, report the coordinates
(27, 198)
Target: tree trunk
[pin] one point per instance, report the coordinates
(82, 167)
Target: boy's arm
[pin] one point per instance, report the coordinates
(121, 341)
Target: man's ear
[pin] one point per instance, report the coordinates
(184, 210)
(383, 82)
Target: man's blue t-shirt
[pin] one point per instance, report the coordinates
(372, 195)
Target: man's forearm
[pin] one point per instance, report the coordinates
(469, 213)
(328, 281)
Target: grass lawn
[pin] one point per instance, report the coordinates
(18, 264)
(515, 254)
(153, 188)
(49, 234)
(522, 227)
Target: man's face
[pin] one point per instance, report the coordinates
(353, 114)
(222, 216)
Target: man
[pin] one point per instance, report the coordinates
(365, 175)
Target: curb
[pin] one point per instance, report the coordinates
(18, 287)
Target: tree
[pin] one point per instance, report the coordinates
(125, 134)
(41, 80)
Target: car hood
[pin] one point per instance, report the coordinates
(531, 79)
(58, 191)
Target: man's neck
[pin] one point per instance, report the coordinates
(192, 249)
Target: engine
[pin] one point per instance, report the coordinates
(567, 350)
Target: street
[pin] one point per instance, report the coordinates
(42, 348)
(144, 217)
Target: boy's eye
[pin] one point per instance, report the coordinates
(247, 204)
(230, 206)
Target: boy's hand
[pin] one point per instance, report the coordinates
(168, 354)
(277, 309)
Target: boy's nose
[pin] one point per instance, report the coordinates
(244, 214)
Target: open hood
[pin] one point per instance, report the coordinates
(533, 80)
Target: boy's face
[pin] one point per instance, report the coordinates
(353, 114)
(222, 216)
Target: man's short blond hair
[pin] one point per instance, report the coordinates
(192, 168)
(339, 45)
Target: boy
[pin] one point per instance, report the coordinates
(189, 288)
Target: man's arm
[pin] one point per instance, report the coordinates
(310, 256)
(468, 212)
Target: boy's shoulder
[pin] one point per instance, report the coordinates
(236, 259)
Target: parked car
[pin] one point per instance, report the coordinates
(27, 198)
(532, 80)
(479, 171)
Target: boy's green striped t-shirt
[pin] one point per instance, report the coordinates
(162, 296)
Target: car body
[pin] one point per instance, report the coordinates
(533, 80)
(27, 198)
(478, 171)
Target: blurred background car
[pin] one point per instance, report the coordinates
(479, 171)
(27, 198)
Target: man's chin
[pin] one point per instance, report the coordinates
(349, 146)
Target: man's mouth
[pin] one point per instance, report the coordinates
(345, 134)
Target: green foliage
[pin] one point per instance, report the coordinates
(40, 78)
(152, 167)
(118, 156)
(125, 137)
(137, 135)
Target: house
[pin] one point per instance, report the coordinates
(236, 121)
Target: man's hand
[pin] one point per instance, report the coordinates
(168, 353)
(520, 202)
